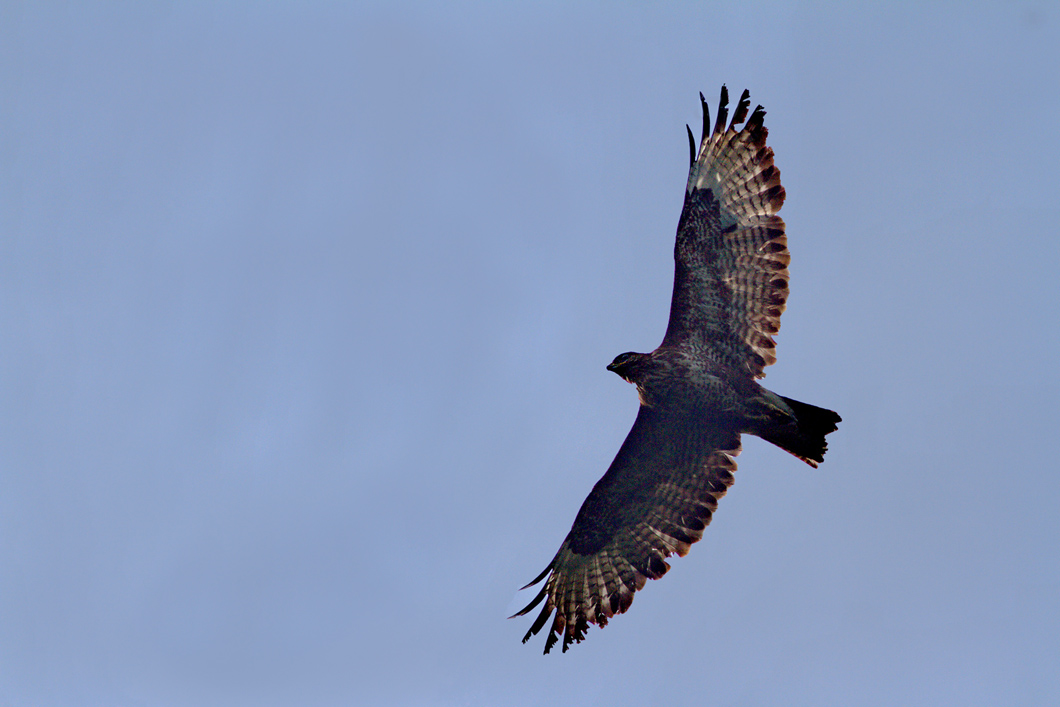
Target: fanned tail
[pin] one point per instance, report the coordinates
(806, 438)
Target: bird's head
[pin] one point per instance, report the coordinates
(628, 365)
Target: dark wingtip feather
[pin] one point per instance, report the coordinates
(723, 110)
(691, 147)
(757, 117)
(706, 117)
(534, 602)
(539, 622)
(541, 576)
(756, 125)
(741, 109)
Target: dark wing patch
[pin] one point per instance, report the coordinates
(654, 501)
(731, 255)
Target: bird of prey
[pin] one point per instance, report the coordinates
(698, 390)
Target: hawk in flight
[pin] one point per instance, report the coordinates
(698, 390)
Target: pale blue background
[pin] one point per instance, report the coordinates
(304, 313)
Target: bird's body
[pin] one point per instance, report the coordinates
(698, 391)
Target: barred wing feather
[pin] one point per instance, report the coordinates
(654, 501)
(731, 256)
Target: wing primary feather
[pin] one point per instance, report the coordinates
(756, 123)
(541, 576)
(691, 147)
(723, 110)
(537, 600)
(553, 636)
(538, 623)
(706, 117)
(741, 109)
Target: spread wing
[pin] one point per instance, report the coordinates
(731, 271)
(654, 501)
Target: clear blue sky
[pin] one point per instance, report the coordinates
(304, 315)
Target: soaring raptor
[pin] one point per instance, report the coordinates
(698, 390)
